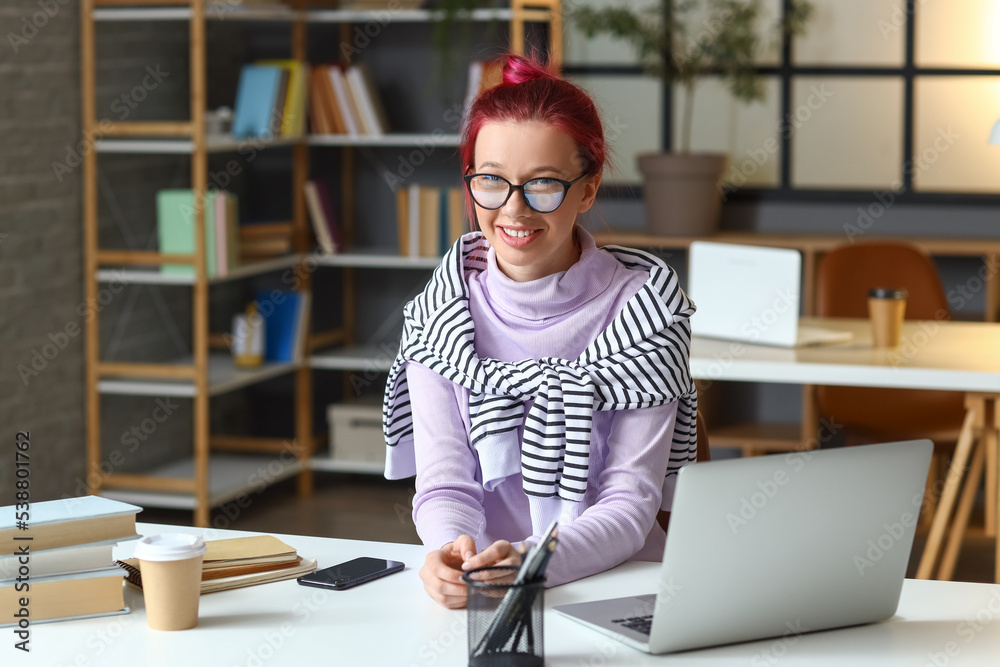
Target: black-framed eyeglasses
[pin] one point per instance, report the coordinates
(543, 195)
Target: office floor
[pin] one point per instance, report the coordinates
(371, 508)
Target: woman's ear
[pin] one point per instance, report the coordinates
(590, 187)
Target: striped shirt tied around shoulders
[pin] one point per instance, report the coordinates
(640, 360)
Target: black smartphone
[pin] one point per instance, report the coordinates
(351, 573)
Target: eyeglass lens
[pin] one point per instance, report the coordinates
(543, 194)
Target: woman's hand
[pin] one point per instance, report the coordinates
(500, 552)
(442, 572)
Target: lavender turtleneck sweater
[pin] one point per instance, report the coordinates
(555, 316)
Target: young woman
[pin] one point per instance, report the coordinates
(539, 377)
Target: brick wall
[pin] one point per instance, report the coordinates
(42, 308)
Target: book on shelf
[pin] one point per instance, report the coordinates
(345, 103)
(264, 240)
(429, 222)
(293, 103)
(175, 212)
(483, 75)
(64, 596)
(238, 562)
(323, 216)
(454, 218)
(257, 99)
(368, 100)
(264, 248)
(226, 224)
(429, 219)
(61, 560)
(286, 321)
(66, 522)
(321, 100)
(472, 85)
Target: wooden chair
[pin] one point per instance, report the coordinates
(703, 454)
(870, 414)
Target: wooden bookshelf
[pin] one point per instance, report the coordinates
(201, 480)
(207, 478)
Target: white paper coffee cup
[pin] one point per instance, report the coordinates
(170, 566)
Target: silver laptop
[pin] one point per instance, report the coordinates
(775, 546)
(750, 293)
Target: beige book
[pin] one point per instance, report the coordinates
(430, 221)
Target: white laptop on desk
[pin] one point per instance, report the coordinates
(750, 293)
(776, 546)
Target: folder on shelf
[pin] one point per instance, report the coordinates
(256, 99)
(286, 319)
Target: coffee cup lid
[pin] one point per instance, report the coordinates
(886, 293)
(170, 546)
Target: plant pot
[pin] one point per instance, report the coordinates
(682, 192)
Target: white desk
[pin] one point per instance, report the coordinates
(958, 356)
(393, 623)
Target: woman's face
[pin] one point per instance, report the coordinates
(531, 245)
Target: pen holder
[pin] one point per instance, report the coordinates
(505, 619)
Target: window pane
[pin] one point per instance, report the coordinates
(702, 24)
(578, 49)
(854, 32)
(953, 118)
(847, 132)
(748, 133)
(632, 109)
(958, 33)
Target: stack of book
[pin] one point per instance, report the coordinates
(264, 240)
(61, 566)
(175, 212)
(345, 101)
(271, 100)
(239, 562)
(429, 219)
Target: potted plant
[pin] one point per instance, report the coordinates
(681, 189)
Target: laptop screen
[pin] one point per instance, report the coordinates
(745, 293)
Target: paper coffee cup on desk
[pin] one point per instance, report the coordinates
(170, 566)
(886, 308)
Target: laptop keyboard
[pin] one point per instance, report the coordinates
(640, 624)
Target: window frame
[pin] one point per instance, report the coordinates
(786, 72)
